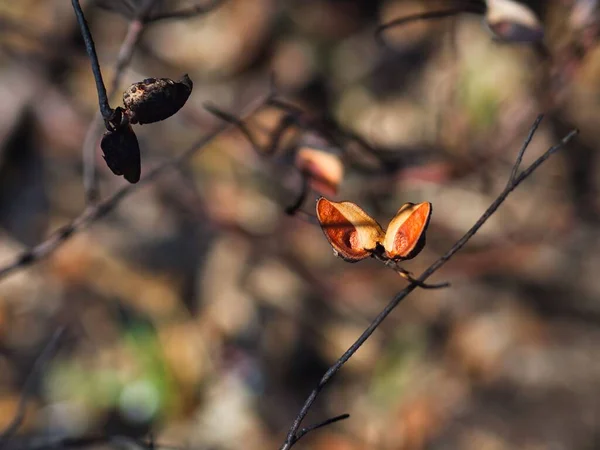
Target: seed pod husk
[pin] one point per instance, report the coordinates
(352, 233)
(405, 236)
(122, 153)
(156, 99)
(512, 21)
(324, 169)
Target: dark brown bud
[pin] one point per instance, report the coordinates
(156, 99)
(122, 153)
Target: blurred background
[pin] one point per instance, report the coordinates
(202, 314)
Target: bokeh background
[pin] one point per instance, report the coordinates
(198, 311)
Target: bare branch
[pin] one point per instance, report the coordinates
(514, 181)
(304, 431)
(192, 11)
(38, 365)
(99, 210)
(81, 442)
(304, 191)
(105, 109)
(517, 165)
(134, 32)
(475, 9)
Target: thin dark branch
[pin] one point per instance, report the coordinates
(326, 127)
(304, 431)
(293, 432)
(294, 207)
(238, 123)
(186, 13)
(474, 9)
(92, 441)
(99, 210)
(134, 32)
(285, 123)
(276, 135)
(517, 165)
(38, 365)
(105, 109)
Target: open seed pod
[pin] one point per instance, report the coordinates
(156, 99)
(122, 153)
(512, 21)
(405, 236)
(352, 233)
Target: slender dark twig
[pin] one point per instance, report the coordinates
(97, 211)
(381, 29)
(304, 431)
(276, 135)
(80, 442)
(105, 109)
(38, 365)
(286, 122)
(516, 180)
(517, 165)
(408, 276)
(134, 33)
(328, 128)
(239, 124)
(191, 11)
(294, 207)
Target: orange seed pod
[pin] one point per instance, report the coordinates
(352, 233)
(405, 236)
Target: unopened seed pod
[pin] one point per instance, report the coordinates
(156, 99)
(122, 153)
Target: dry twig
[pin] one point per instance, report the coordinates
(140, 18)
(189, 12)
(514, 180)
(38, 365)
(95, 212)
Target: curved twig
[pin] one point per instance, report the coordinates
(304, 431)
(186, 13)
(105, 109)
(134, 32)
(38, 365)
(514, 181)
(441, 14)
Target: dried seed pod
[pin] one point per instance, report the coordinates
(324, 169)
(352, 233)
(405, 236)
(156, 99)
(122, 153)
(512, 21)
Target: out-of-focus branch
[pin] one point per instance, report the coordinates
(99, 210)
(112, 441)
(515, 179)
(38, 365)
(191, 11)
